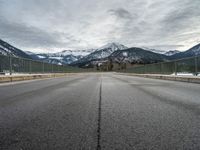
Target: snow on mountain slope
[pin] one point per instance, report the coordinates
(75, 52)
(113, 46)
(111, 50)
(137, 55)
(7, 49)
(194, 51)
(69, 52)
(66, 56)
(171, 52)
(154, 50)
(106, 50)
(56, 59)
(101, 52)
(167, 53)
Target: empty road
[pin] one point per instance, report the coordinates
(100, 111)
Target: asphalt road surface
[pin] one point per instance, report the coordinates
(100, 111)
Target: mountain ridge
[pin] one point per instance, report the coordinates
(100, 53)
(108, 51)
(193, 51)
(9, 50)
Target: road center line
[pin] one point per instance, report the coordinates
(99, 118)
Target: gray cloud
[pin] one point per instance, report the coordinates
(183, 16)
(28, 34)
(120, 13)
(63, 24)
(32, 37)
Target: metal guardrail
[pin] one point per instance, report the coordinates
(187, 65)
(10, 64)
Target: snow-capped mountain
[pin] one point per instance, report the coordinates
(63, 57)
(101, 53)
(164, 52)
(116, 52)
(68, 59)
(113, 47)
(194, 51)
(154, 50)
(9, 50)
(70, 52)
(171, 52)
(105, 51)
(137, 55)
(78, 56)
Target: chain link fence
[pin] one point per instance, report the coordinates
(11, 65)
(182, 66)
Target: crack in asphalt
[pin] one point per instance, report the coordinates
(99, 119)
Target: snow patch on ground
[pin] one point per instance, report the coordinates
(185, 74)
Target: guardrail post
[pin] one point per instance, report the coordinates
(10, 64)
(196, 67)
(175, 67)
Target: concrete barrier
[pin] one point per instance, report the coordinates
(190, 79)
(14, 78)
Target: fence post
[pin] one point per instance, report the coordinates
(196, 67)
(175, 67)
(30, 67)
(161, 68)
(10, 64)
(43, 66)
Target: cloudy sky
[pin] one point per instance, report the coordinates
(54, 25)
